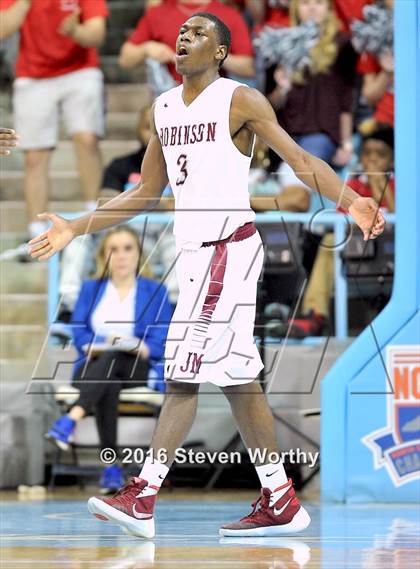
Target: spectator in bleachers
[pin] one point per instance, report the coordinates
(121, 174)
(375, 180)
(57, 73)
(315, 105)
(8, 140)
(378, 86)
(119, 328)
(156, 33)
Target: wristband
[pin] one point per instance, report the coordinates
(347, 145)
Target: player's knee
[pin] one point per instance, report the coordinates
(181, 388)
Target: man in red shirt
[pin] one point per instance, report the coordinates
(57, 72)
(156, 33)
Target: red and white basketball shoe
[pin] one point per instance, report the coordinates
(131, 508)
(283, 517)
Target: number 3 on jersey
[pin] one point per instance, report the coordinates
(182, 163)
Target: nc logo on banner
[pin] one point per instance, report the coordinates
(397, 446)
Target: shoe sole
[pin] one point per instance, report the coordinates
(300, 521)
(60, 444)
(105, 512)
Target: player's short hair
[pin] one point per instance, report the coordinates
(223, 32)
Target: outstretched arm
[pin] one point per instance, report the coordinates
(145, 196)
(252, 109)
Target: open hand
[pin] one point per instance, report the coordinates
(8, 139)
(367, 215)
(53, 240)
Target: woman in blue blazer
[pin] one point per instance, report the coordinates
(119, 324)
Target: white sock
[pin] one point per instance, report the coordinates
(274, 477)
(91, 205)
(35, 228)
(155, 473)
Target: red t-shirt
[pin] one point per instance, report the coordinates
(368, 63)
(360, 185)
(162, 24)
(43, 52)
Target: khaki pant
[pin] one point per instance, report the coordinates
(78, 97)
(321, 282)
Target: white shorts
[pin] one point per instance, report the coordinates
(38, 103)
(211, 335)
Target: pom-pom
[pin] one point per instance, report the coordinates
(288, 47)
(375, 33)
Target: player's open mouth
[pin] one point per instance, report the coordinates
(182, 52)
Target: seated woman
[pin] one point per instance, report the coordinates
(119, 324)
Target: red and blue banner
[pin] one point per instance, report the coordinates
(396, 445)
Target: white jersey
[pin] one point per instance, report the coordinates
(207, 173)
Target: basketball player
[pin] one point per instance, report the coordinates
(8, 140)
(203, 135)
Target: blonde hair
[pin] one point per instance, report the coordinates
(324, 53)
(102, 261)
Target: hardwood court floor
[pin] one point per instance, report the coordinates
(61, 533)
